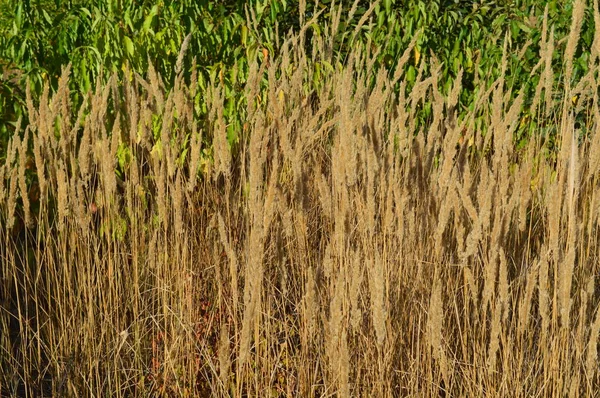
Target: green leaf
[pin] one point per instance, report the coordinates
(149, 18)
(410, 74)
(86, 12)
(128, 45)
(244, 34)
(47, 17)
(524, 27)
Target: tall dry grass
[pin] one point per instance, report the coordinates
(338, 250)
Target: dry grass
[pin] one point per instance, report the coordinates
(339, 252)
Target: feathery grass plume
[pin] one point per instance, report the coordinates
(567, 124)
(572, 41)
(525, 196)
(131, 104)
(184, 46)
(464, 190)
(566, 266)
(418, 95)
(548, 76)
(287, 222)
(115, 138)
(346, 143)
(270, 197)
(503, 143)
(454, 95)
(195, 153)
(233, 261)
(159, 175)
(582, 93)
(99, 107)
(14, 145)
(332, 34)
(595, 48)
(503, 283)
(24, 192)
(11, 202)
(495, 333)
(32, 112)
(437, 104)
(251, 90)
(251, 18)
(77, 198)
(156, 87)
(85, 146)
(399, 68)
(222, 154)
(61, 97)
(62, 195)
(543, 61)
(81, 211)
(554, 200)
(388, 220)
(178, 204)
(302, 11)
(144, 136)
(11, 170)
(490, 275)
(40, 166)
(340, 229)
(585, 314)
(435, 325)
(372, 171)
(447, 207)
(276, 94)
(245, 338)
(449, 150)
(460, 232)
(353, 10)
(473, 285)
(107, 167)
(498, 107)
(166, 143)
(531, 284)
(363, 19)
(485, 189)
(45, 119)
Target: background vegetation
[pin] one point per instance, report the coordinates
(99, 38)
(289, 199)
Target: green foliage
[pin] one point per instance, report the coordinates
(101, 38)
